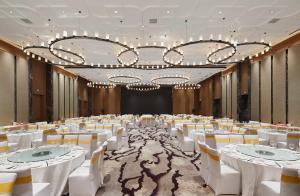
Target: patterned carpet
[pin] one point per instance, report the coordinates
(152, 164)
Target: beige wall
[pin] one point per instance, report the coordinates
(294, 85)
(22, 89)
(279, 105)
(255, 91)
(7, 111)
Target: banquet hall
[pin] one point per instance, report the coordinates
(149, 98)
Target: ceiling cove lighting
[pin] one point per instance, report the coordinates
(221, 60)
(170, 80)
(96, 38)
(100, 85)
(150, 67)
(200, 41)
(142, 87)
(71, 55)
(124, 79)
(187, 86)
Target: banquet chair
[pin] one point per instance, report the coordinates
(251, 139)
(210, 140)
(87, 163)
(85, 181)
(108, 129)
(235, 129)
(221, 141)
(43, 140)
(222, 179)
(115, 142)
(292, 139)
(204, 161)
(7, 182)
(25, 187)
(85, 141)
(236, 139)
(54, 139)
(90, 127)
(208, 127)
(289, 185)
(4, 147)
(185, 143)
(12, 146)
(70, 139)
(199, 127)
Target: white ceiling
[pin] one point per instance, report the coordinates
(238, 19)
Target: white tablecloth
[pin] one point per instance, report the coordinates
(54, 171)
(272, 135)
(254, 170)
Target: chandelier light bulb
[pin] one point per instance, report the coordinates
(74, 33)
(107, 36)
(65, 33)
(96, 34)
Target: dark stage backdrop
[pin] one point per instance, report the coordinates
(151, 102)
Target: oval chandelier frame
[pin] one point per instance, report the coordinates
(156, 79)
(200, 41)
(104, 85)
(26, 48)
(142, 87)
(187, 86)
(113, 79)
(95, 38)
(149, 67)
(221, 61)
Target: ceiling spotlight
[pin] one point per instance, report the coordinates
(116, 11)
(168, 11)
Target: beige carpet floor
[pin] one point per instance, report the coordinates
(152, 164)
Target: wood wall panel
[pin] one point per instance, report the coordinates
(7, 112)
(279, 95)
(67, 97)
(75, 97)
(38, 91)
(71, 97)
(234, 95)
(178, 101)
(244, 78)
(82, 97)
(266, 90)
(22, 76)
(206, 97)
(255, 91)
(55, 83)
(114, 100)
(61, 96)
(217, 86)
(229, 100)
(224, 97)
(294, 85)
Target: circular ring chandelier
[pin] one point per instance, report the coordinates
(124, 79)
(95, 38)
(159, 80)
(187, 86)
(221, 60)
(149, 67)
(101, 85)
(200, 41)
(143, 87)
(81, 59)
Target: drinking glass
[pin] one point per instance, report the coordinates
(291, 146)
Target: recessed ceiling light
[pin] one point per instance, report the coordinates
(168, 11)
(220, 12)
(10, 11)
(116, 11)
(143, 26)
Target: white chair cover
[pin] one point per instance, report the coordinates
(204, 161)
(85, 141)
(54, 139)
(70, 139)
(221, 141)
(7, 182)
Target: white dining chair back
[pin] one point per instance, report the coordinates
(236, 139)
(293, 139)
(204, 161)
(290, 182)
(70, 140)
(54, 139)
(85, 141)
(4, 147)
(221, 141)
(251, 139)
(7, 182)
(210, 140)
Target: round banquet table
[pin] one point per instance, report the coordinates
(53, 167)
(257, 163)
